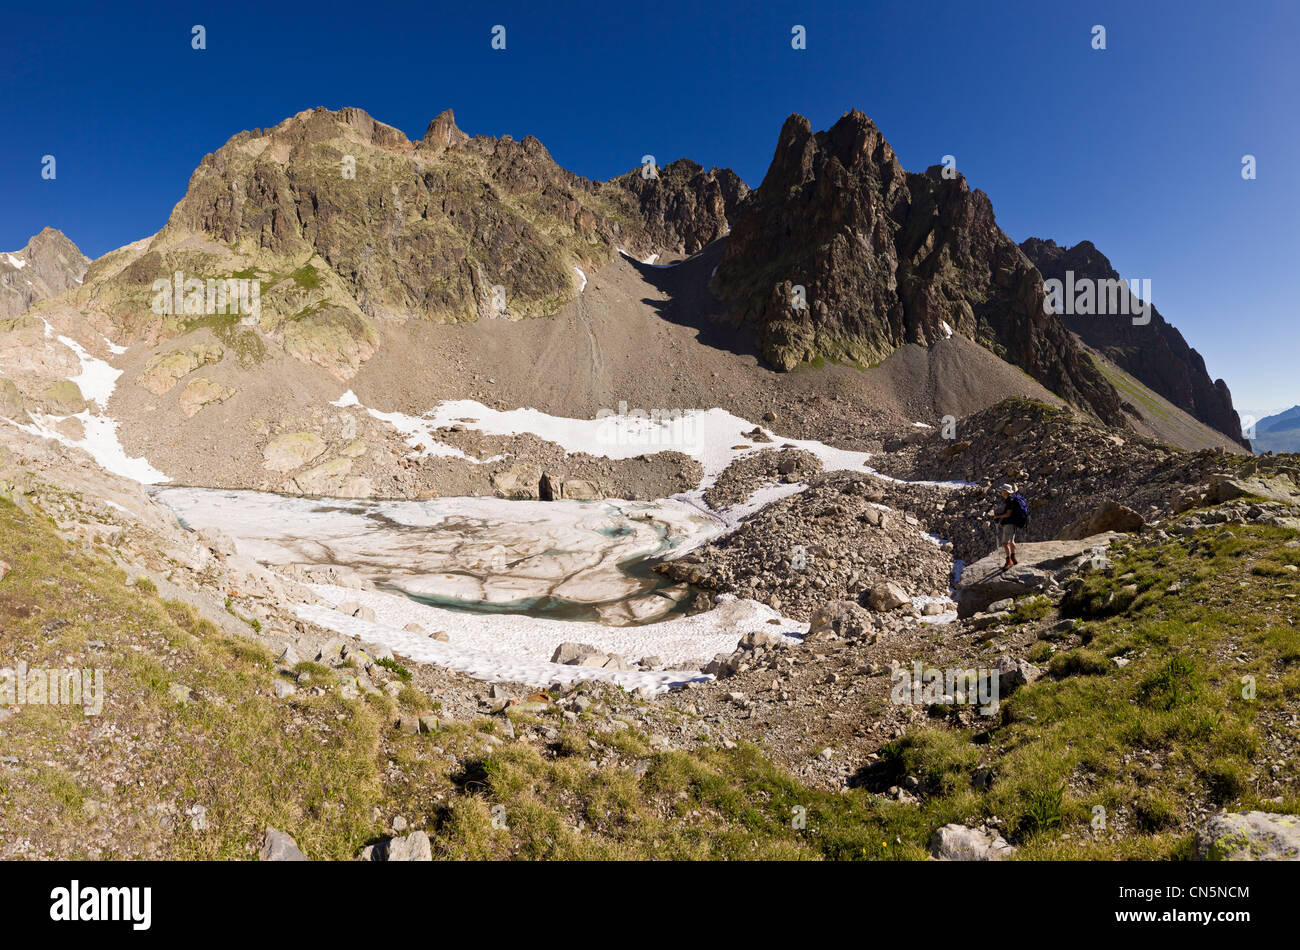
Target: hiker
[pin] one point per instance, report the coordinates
(1013, 516)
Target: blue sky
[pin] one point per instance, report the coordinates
(1137, 148)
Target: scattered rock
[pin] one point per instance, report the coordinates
(279, 847)
(887, 596)
(569, 653)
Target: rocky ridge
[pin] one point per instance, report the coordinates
(885, 257)
(48, 265)
(1155, 352)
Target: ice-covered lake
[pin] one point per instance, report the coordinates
(565, 560)
(508, 581)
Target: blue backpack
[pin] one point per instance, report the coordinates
(1019, 511)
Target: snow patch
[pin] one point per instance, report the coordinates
(713, 437)
(649, 261)
(518, 649)
(418, 432)
(97, 379)
(947, 615)
(582, 277)
(100, 443)
(16, 261)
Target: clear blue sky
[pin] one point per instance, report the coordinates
(1137, 148)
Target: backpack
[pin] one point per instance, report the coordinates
(1019, 510)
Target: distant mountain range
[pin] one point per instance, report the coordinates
(1278, 433)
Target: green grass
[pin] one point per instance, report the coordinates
(1028, 609)
(394, 667)
(307, 277)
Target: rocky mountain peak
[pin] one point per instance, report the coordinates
(442, 134)
(47, 265)
(841, 254)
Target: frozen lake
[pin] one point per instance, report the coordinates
(565, 560)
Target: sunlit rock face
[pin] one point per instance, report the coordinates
(568, 560)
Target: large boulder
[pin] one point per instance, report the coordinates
(1276, 487)
(164, 369)
(201, 392)
(1040, 564)
(292, 450)
(520, 481)
(1249, 836)
(960, 843)
(333, 478)
(63, 398)
(841, 617)
(570, 653)
(11, 402)
(887, 596)
(1111, 516)
(576, 489)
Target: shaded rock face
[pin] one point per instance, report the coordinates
(1111, 516)
(885, 258)
(685, 207)
(47, 266)
(1155, 353)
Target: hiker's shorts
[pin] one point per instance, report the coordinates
(1007, 534)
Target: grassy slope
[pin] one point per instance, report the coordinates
(1160, 419)
(1148, 742)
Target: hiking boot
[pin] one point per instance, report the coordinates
(1010, 561)
(1014, 562)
